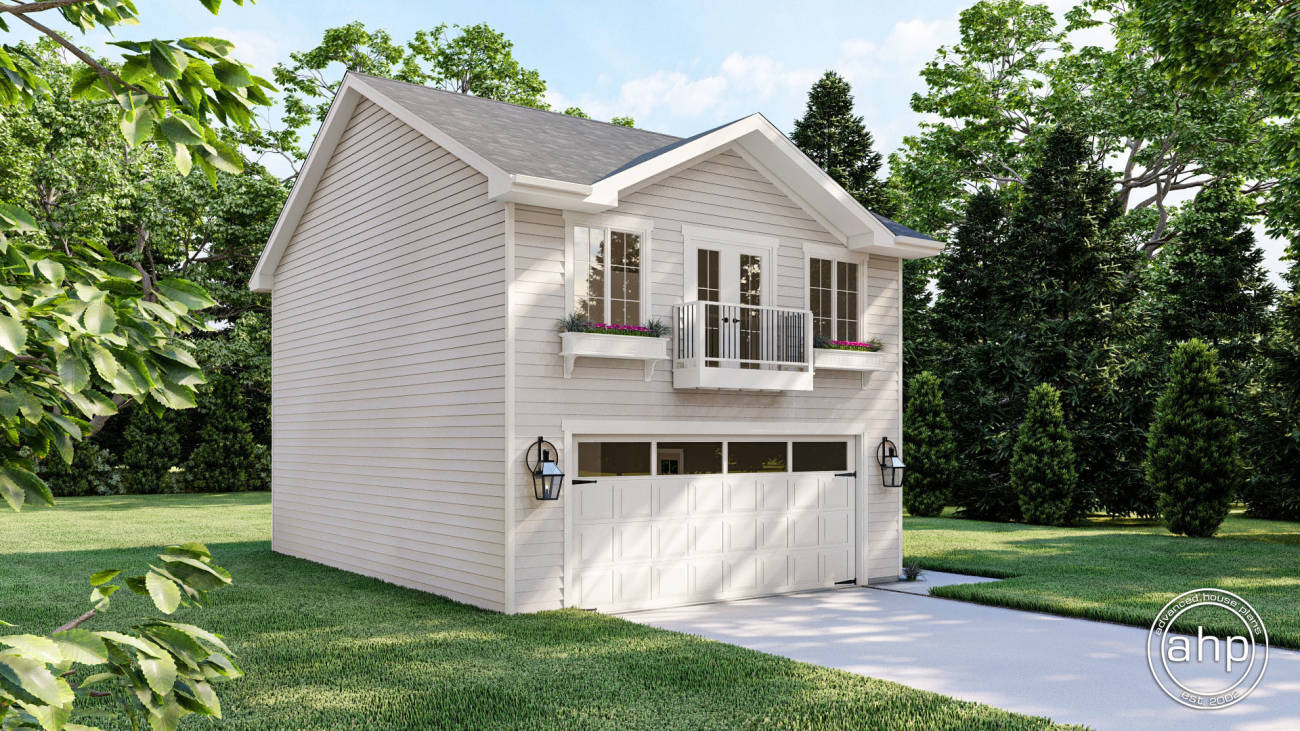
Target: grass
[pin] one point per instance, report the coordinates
(324, 649)
(1117, 570)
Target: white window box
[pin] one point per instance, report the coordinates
(862, 361)
(599, 345)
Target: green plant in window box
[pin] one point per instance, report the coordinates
(578, 324)
(868, 346)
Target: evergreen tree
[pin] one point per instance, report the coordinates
(972, 270)
(832, 136)
(153, 448)
(931, 452)
(1273, 490)
(227, 457)
(1065, 309)
(1043, 473)
(1193, 462)
(974, 359)
(1210, 283)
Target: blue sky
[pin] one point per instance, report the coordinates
(676, 67)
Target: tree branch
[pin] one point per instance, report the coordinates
(109, 78)
(76, 622)
(39, 7)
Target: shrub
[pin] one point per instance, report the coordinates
(1043, 471)
(931, 451)
(227, 458)
(1192, 452)
(153, 448)
(93, 471)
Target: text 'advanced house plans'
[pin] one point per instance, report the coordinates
(420, 272)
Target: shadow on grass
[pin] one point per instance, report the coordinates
(327, 649)
(1117, 576)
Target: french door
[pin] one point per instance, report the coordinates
(733, 277)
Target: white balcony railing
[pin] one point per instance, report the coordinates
(725, 345)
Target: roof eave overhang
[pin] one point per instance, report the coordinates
(757, 139)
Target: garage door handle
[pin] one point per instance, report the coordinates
(846, 474)
(583, 482)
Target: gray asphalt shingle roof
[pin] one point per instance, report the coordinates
(899, 229)
(525, 141)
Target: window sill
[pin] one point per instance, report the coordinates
(624, 347)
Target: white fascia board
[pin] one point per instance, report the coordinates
(546, 192)
(318, 157)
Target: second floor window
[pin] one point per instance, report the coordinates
(833, 298)
(608, 275)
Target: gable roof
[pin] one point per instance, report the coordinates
(523, 140)
(551, 159)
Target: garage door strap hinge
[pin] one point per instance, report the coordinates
(583, 482)
(846, 474)
(846, 581)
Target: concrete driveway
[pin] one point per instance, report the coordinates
(1070, 670)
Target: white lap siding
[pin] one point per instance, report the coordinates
(389, 369)
(722, 192)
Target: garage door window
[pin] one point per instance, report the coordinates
(820, 456)
(613, 459)
(689, 458)
(757, 456)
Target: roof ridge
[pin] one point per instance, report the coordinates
(513, 104)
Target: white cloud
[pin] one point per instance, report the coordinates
(254, 47)
(744, 83)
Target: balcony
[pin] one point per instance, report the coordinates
(720, 345)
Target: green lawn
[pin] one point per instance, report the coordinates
(324, 649)
(1116, 570)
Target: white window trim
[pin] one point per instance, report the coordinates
(631, 224)
(695, 238)
(837, 254)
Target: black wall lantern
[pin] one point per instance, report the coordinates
(547, 477)
(891, 465)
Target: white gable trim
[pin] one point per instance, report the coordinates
(350, 93)
(754, 138)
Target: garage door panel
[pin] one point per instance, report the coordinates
(643, 541)
(634, 502)
(805, 529)
(742, 534)
(836, 566)
(635, 542)
(834, 528)
(706, 497)
(596, 502)
(806, 568)
(742, 496)
(671, 541)
(836, 494)
(742, 575)
(595, 544)
(774, 572)
(707, 579)
(804, 493)
(671, 498)
(595, 588)
(633, 584)
(774, 533)
(673, 580)
(707, 536)
(773, 493)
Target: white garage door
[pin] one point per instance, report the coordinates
(667, 522)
